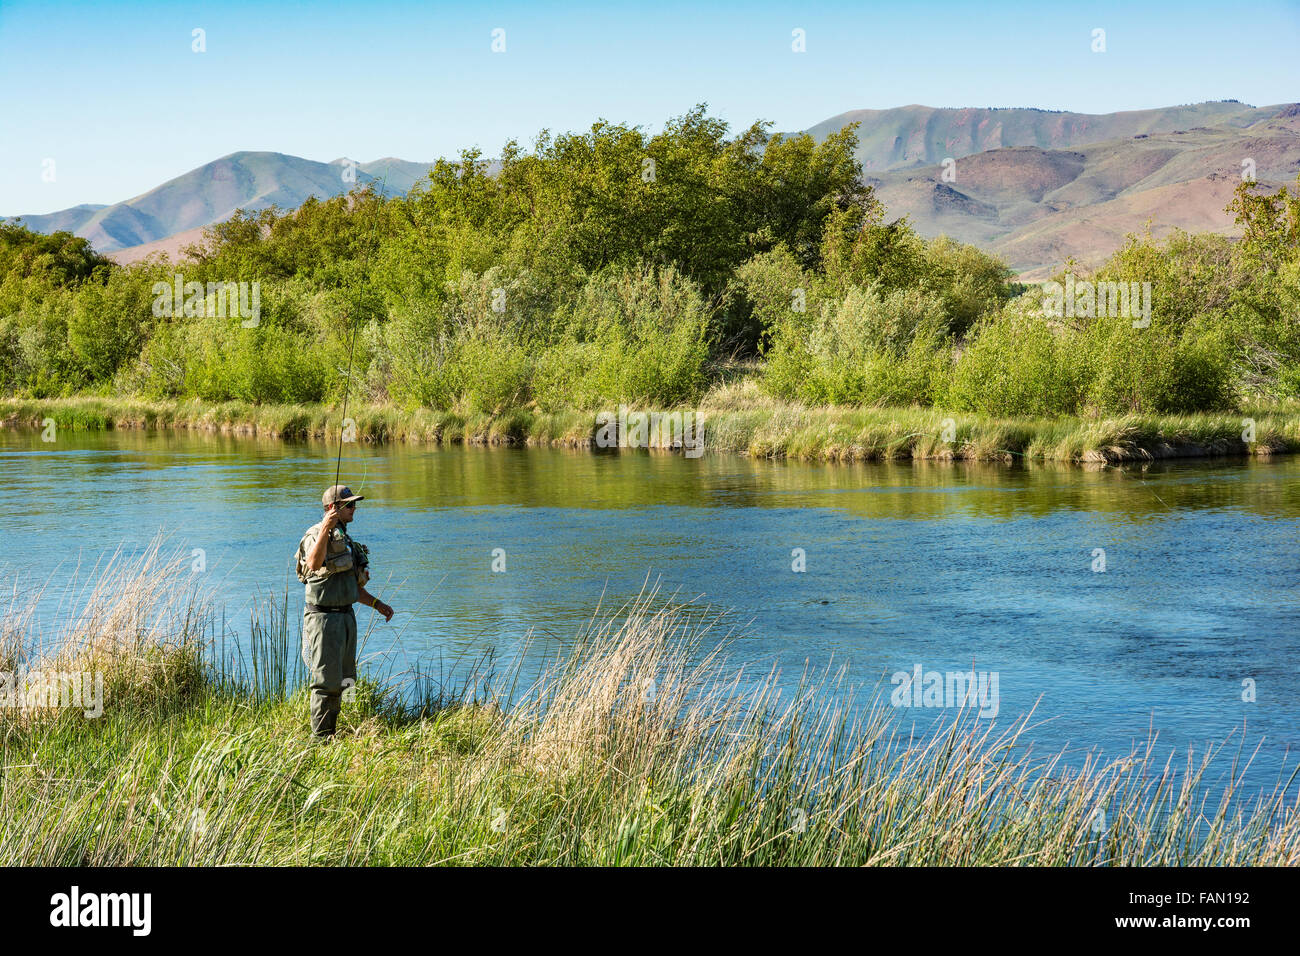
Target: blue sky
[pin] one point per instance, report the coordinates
(115, 95)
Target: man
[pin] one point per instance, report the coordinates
(335, 570)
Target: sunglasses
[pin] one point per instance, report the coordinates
(345, 504)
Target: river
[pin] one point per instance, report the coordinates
(946, 566)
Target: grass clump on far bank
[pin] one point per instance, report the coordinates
(744, 420)
(736, 417)
(639, 746)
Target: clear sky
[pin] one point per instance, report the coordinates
(114, 94)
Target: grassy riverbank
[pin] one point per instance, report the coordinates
(736, 417)
(592, 765)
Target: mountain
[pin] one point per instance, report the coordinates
(1037, 206)
(212, 192)
(66, 220)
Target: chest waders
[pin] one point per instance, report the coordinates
(329, 625)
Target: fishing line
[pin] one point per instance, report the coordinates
(352, 333)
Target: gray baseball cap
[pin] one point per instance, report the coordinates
(339, 493)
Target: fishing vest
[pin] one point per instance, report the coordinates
(345, 571)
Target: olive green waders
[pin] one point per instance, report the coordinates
(329, 649)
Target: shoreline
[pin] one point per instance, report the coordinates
(742, 422)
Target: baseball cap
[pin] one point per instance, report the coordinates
(339, 493)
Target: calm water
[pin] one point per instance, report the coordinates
(938, 565)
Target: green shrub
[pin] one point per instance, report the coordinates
(970, 282)
(491, 371)
(1154, 370)
(1018, 364)
(639, 336)
(865, 348)
(765, 291)
(218, 360)
(108, 322)
(34, 354)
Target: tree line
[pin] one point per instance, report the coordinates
(613, 265)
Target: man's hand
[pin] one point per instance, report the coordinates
(332, 517)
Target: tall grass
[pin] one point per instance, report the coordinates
(638, 746)
(734, 417)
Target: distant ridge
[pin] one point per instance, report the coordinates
(921, 135)
(212, 192)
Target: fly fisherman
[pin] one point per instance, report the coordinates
(335, 570)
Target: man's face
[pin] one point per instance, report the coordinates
(346, 510)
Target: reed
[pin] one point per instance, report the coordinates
(735, 418)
